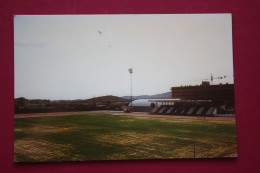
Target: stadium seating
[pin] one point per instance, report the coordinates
(162, 109)
(182, 112)
(190, 110)
(154, 110)
(199, 112)
(169, 110)
(185, 110)
(210, 111)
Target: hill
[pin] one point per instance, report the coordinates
(167, 95)
(108, 98)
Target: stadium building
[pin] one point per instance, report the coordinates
(200, 100)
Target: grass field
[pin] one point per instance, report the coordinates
(110, 137)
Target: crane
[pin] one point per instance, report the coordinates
(220, 77)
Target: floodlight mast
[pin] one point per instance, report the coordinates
(131, 91)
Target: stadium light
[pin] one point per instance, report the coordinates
(131, 72)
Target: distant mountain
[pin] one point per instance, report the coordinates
(110, 98)
(107, 98)
(167, 95)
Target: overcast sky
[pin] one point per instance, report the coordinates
(83, 56)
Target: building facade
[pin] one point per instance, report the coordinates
(223, 93)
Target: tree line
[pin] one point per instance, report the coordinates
(23, 105)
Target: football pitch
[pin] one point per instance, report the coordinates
(114, 137)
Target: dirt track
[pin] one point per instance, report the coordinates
(136, 114)
(48, 114)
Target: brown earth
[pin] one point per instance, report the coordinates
(136, 114)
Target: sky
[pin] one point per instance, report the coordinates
(83, 56)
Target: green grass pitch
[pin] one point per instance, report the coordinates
(111, 137)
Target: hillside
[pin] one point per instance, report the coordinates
(167, 95)
(108, 98)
